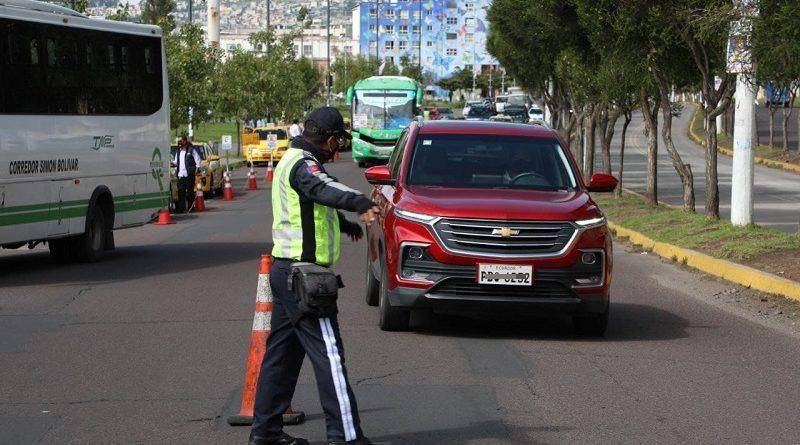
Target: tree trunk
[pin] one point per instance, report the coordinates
(785, 126)
(589, 159)
(609, 122)
(650, 115)
(684, 170)
(771, 125)
(618, 190)
(579, 146)
(712, 182)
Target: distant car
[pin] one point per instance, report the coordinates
(535, 114)
(478, 112)
(445, 113)
(260, 152)
(500, 103)
(469, 105)
(517, 113)
(210, 170)
(500, 118)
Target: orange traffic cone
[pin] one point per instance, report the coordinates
(270, 173)
(258, 346)
(199, 201)
(164, 218)
(227, 194)
(252, 183)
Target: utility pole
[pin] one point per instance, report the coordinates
(268, 28)
(503, 81)
(739, 62)
(190, 11)
(419, 55)
(328, 78)
(213, 23)
(377, 37)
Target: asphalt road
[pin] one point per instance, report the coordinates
(149, 347)
(777, 192)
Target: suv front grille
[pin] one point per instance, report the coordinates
(465, 288)
(504, 237)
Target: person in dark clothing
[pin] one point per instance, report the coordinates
(187, 159)
(306, 227)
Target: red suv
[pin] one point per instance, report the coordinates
(487, 216)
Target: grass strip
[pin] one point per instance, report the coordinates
(717, 238)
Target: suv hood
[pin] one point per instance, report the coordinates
(499, 203)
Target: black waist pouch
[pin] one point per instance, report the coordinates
(317, 288)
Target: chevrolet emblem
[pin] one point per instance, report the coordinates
(505, 232)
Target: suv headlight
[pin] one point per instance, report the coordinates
(414, 216)
(591, 223)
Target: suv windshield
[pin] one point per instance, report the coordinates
(490, 161)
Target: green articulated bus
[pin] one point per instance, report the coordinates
(381, 106)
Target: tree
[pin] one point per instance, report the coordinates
(305, 21)
(159, 12)
(122, 14)
(191, 66)
(350, 69)
(389, 69)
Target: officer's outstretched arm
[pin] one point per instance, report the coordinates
(311, 180)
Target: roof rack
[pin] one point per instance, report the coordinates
(34, 5)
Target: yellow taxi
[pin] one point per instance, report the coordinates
(259, 152)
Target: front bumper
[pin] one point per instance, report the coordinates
(363, 150)
(454, 288)
(261, 156)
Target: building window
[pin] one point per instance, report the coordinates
(429, 28)
(470, 37)
(429, 44)
(403, 45)
(372, 46)
(452, 20)
(404, 14)
(452, 36)
(403, 30)
(308, 50)
(470, 6)
(416, 14)
(429, 59)
(451, 52)
(390, 60)
(389, 29)
(415, 29)
(390, 13)
(469, 22)
(372, 12)
(348, 49)
(371, 28)
(415, 44)
(389, 44)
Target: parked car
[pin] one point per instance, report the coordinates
(445, 113)
(535, 114)
(469, 105)
(260, 152)
(479, 112)
(480, 217)
(517, 113)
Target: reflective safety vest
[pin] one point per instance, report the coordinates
(290, 216)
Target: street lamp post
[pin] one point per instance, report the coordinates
(328, 78)
(377, 37)
(268, 27)
(419, 52)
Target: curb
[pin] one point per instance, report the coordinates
(728, 152)
(733, 272)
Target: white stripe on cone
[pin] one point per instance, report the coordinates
(264, 291)
(262, 321)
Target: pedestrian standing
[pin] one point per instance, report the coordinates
(294, 130)
(306, 227)
(187, 159)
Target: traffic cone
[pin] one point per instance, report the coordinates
(164, 218)
(199, 201)
(252, 183)
(270, 172)
(227, 194)
(258, 346)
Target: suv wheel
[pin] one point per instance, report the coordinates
(591, 325)
(372, 284)
(392, 318)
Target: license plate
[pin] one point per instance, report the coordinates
(505, 274)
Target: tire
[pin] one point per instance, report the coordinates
(91, 246)
(362, 164)
(60, 249)
(372, 284)
(391, 318)
(591, 325)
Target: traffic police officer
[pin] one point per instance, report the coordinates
(307, 228)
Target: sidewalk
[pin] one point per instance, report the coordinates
(777, 192)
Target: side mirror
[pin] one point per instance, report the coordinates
(379, 175)
(600, 182)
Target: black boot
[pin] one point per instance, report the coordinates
(277, 439)
(361, 441)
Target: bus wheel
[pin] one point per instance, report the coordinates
(91, 246)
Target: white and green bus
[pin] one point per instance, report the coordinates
(84, 128)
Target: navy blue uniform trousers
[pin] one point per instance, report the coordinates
(287, 345)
